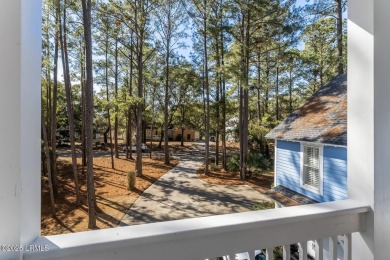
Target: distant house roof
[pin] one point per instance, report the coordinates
(321, 119)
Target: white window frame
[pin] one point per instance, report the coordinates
(320, 189)
(275, 163)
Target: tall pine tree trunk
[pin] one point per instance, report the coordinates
(48, 90)
(182, 137)
(166, 102)
(151, 132)
(267, 72)
(53, 120)
(69, 103)
(277, 94)
(223, 92)
(84, 152)
(140, 50)
(47, 161)
(217, 100)
(207, 88)
(161, 138)
(277, 82)
(258, 67)
(116, 123)
(241, 125)
(290, 86)
(129, 152)
(245, 41)
(89, 114)
(340, 65)
(108, 100)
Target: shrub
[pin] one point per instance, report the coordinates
(258, 163)
(214, 167)
(233, 163)
(131, 178)
(264, 205)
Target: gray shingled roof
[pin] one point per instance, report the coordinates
(321, 119)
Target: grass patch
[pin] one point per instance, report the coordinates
(264, 205)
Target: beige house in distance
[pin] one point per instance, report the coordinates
(174, 134)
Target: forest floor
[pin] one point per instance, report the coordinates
(113, 197)
(260, 182)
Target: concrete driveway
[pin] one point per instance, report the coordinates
(179, 194)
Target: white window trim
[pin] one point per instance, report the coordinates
(319, 191)
(275, 162)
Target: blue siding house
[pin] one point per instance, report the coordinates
(311, 147)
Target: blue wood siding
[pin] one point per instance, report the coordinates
(288, 171)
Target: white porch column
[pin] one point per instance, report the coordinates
(361, 117)
(369, 122)
(20, 57)
(382, 128)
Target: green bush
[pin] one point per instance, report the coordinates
(131, 178)
(233, 163)
(264, 205)
(257, 163)
(214, 167)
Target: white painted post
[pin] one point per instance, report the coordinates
(286, 252)
(302, 250)
(361, 124)
(333, 248)
(347, 247)
(20, 72)
(368, 122)
(252, 254)
(269, 253)
(381, 128)
(231, 257)
(319, 249)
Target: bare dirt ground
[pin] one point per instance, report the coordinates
(113, 197)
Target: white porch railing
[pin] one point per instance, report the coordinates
(211, 237)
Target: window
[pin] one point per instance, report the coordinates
(311, 170)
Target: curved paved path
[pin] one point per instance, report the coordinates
(180, 194)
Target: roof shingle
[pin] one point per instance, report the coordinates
(321, 119)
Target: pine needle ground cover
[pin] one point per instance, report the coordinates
(260, 182)
(113, 196)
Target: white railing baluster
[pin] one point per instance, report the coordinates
(252, 254)
(286, 252)
(333, 248)
(269, 253)
(319, 249)
(302, 250)
(347, 247)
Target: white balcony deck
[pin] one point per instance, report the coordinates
(210, 237)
